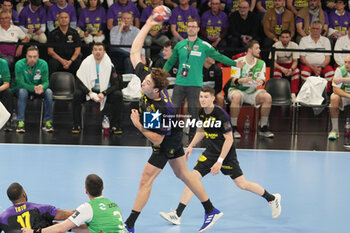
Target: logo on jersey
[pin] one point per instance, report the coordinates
(151, 120)
(75, 214)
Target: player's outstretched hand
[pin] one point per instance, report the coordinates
(240, 64)
(150, 21)
(215, 168)
(26, 230)
(188, 152)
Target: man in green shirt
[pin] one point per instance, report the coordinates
(191, 54)
(99, 214)
(32, 80)
(340, 97)
(243, 89)
(5, 90)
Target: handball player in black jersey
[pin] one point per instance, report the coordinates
(219, 155)
(166, 141)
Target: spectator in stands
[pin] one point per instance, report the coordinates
(179, 17)
(339, 20)
(205, 5)
(175, 3)
(55, 10)
(92, 22)
(143, 4)
(115, 12)
(340, 96)
(24, 213)
(124, 34)
(343, 43)
(10, 33)
(212, 77)
(286, 62)
(296, 5)
(328, 5)
(167, 52)
(243, 89)
(233, 5)
(262, 6)
(157, 34)
(5, 90)
(7, 5)
(275, 21)
(32, 80)
(309, 14)
(97, 80)
(313, 63)
(244, 26)
(32, 21)
(65, 56)
(214, 25)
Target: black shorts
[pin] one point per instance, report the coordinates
(160, 157)
(230, 166)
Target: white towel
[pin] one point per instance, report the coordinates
(87, 74)
(4, 115)
(312, 90)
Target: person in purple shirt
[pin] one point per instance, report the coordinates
(27, 214)
(338, 21)
(157, 34)
(214, 25)
(179, 17)
(52, 14)
(309, 14)
(32, 20)
(92, 22)
(7, 5)
(114, 14)
(262, 6)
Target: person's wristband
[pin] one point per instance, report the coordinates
(38, 230)
(220, 160)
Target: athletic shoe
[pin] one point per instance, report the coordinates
(333, 135)
(20, 127)
(76, 129)
(210, 219)
(265, 132)
(236, 134)
(171, 217)
(132, 230)
(48, 126)
(276, 207)
(116, 130)
(8, 126)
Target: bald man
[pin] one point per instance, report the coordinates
(341, 95)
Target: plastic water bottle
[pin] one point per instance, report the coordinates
(347, 128)
(105, 126)
(246, 126)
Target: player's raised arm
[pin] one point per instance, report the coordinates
(135, 53)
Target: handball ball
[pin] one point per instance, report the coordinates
(161, 13)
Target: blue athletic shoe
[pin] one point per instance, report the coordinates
(132, 230)
(210, 219)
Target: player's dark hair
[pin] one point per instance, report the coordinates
(193, 20)
(159, 77)
(286, 32)
(14, 191)
(252, 43)
(94, 185)
(208, 90)
(169, 43)
(97, 5)
(99, 44)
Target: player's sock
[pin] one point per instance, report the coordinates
(234, 121)
(263, 121)
(180, 208)
(335, 124)
(208, 206)
(269, 197)
(130, 222)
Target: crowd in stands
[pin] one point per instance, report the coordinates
(228, 25)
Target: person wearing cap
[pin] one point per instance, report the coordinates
(32, 21)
